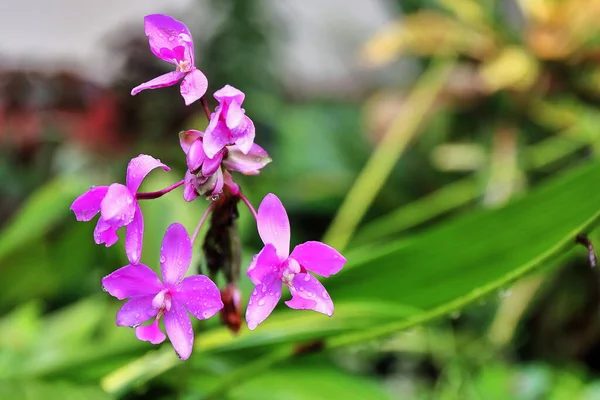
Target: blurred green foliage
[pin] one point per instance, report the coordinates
(463, 280)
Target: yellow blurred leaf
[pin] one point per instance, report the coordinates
(513, 68)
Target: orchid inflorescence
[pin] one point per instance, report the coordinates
(226, 146)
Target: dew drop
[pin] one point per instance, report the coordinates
(137, 315)
(325, 295)
(206, 314)
(264, 288)
(455, 315)
(261, 302)
(214, 197)
(92, 187)
(307, 278)
(162, 258)
(104, 289)
(503, 294)
(254, 292)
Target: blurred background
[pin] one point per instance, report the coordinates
(389, 122)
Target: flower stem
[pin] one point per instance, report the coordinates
(159, 193)
(205, 106)
(249, 205)
(201, 222)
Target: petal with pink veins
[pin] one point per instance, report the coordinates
(87, 205)
(264, 264)
(118, 206)
(309, 294)
(134, 237)
(193, 86)
(132, 281)
(105, 233)
(168, 79)
(262, 302)
(136, 311)
(179, 330)
(215, 138)
(175, 254)
(199, 295)
(150, 333)
(274, 225)
(139, 167)
(319, 258)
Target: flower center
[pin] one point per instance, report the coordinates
(162, 301)
(290, 268)
(182, 66)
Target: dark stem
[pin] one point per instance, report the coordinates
(205, 106)
(159, 193)
(584, 240)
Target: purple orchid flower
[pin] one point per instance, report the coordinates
(171, 41)
(275, 265)
(208, 176)
(172, 299)
(229, 123)
(118, 207)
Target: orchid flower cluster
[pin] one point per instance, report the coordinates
(226, 146)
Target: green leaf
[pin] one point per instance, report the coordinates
(44, 208)
(34, 390)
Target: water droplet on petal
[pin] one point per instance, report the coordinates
(254, 292)
(264, 288)
(307, 278)
(310, 294)
(104, 289)
(325, 295)
(162, 258)
(261, 302)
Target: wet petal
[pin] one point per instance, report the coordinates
(319, 258)
(235, 117)
(134, 237)
(215, 139)
(118, 206)
(179, 330)
(274, 225)
(165, 32)
(168, 79)
(200, 296)
(136, 311)
(309, 294)
(175, 254)
(105, 233)
(193, 86)
(264, 264)
(139, 167)
(245, 138)
(248, 164)
(189, 187)
(87, 205)
(150, 333)
(262, 301)
(132, 281)
(187, 138)
(211, 165)
(228, 181)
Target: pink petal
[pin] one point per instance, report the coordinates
(262, 301)
(105, 233)
(136, 311)
(139, 167)
(187, 138)
(166, 32)
(189, 187)
(245, 138)
(211, 165)
(179, 330)
(228, 181)
(134, 237)
(228, 93)
(132, 281)
(235, 117)
(309, 294)
(150, 333)
(118, 206)
(319, 258)
(215, 139)
(175, 254)
(274, 225)
(195, 156)
(213, 185)
(248, 164)
(193, 86)
(168, 79)
(264, 265)
(87, 205)
(200, 296)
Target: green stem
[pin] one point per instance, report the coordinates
(375, 173)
